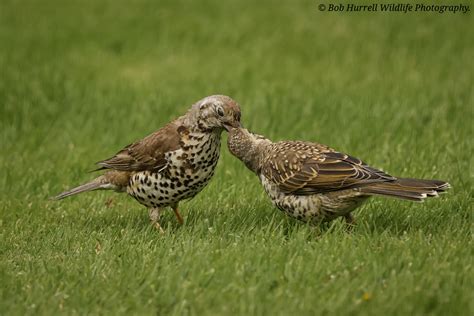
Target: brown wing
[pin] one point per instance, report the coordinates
(306, 168)
(147, 153)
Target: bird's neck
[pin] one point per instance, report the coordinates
(253, 153)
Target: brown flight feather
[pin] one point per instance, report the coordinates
(315, 168)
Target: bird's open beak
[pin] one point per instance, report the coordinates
(229, 125)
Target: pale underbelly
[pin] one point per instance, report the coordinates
(314, 208)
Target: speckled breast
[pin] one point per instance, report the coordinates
(187, 172)
(316, 207)
(304, 208)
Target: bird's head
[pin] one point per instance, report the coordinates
(217, 112)
(247, 146)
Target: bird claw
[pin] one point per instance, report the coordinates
(350, 223)
(159, 228)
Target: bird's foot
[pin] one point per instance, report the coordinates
(158, 227)
(154, 214)
(350, 222)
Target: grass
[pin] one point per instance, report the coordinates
(81, 79)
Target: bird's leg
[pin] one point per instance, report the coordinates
(176, 212)
(154, 214)
(350, 222)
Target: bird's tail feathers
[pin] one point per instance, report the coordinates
(408, 189)
(100, 183)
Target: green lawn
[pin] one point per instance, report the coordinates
(81, 79)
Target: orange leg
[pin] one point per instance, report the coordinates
(178, 216)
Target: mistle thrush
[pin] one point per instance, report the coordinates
(314, 183)
(172, 164)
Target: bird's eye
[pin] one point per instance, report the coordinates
(220, 111)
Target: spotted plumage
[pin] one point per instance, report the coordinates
(314, 183)
(187, 174)
(174, 163)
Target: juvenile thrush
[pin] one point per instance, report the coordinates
(172, 164)
(314, 183)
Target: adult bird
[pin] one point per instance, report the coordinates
(314, 183)
(172, 164)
